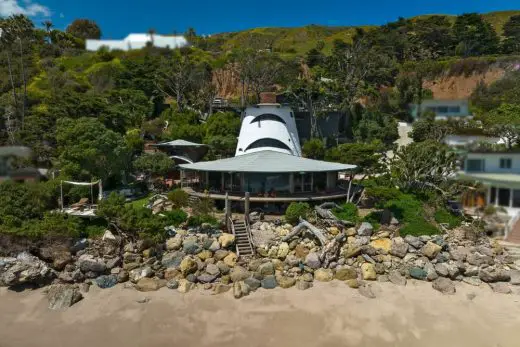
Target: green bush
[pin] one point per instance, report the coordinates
(348, 212)
(295, 211)
(373, 218)
(490, 210)
(410, 212)
(179, 198)
(443, 216)
(175, 217)
(198, 220)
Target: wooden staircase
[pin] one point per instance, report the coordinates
(242, 238)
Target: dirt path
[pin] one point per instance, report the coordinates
(329, 314)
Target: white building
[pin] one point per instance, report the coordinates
(499, 172)
(268, 127)
(138, 41)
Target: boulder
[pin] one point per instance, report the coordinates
(515, 277)
(418, 273)
(185, 286)
(87, 263)
(430, 270)
(286, 282)
(206, 278)
(112, 263)
(431, 250)
(238, 273)
(106, 281)
(215, 246)
(283, 250)
(226, 240)
(490, 275)
(399, 247)
(212, 269)
(174, 243)
(396, 278)
(307, 277)
(25, 269)
(231, 259)
(253, 283)
(136, 274)
(221, 254)
(323, 275)
(220, 288)
(365, 229)
(345, 273)
(384, 244)
(292, 260)
(301, 251)
(354, 283)
(149, 284)
(190, 245)
(312, 260)
(444, 285)
(188, 265)
(413, 241)
(266, 269)
(474, 281)
(459, 253)
(62, 296)
(172, 284)
(171, 273)
(368, 272)
(500, 287)
(269, 282)
(442, 269)
(223, 267)
(204, 255)
(303, 285)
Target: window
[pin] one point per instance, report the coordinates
(268, 116)
(505, 163)
(503, 196)
(454, 109)
(268, 142)
(516, 198)
(442, 109)
(493, 196)
(475, 165)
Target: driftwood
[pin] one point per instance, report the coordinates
(304, 225)
(331, 251)
(324, 211)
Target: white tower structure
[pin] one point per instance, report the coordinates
(268, 126)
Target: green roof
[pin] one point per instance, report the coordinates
(267, 161)
(508, 180)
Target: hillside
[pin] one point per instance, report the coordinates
(297, 41)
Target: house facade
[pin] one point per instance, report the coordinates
(137, 41)
(499, 172)
(443, 109)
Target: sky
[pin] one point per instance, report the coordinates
(117, 18)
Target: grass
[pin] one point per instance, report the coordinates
(139, 203)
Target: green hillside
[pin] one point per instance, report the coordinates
(297, 41)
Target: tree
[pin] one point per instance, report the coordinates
(87, 150)
(427, 128)
(474, 36)
(375, 125)
(222, 130)
(504, 122)
(369, 157)
(511, 43)
(314, 149)
(505, 90)
(423, 166)
(84, 29)
(153, 164)
(432, 36)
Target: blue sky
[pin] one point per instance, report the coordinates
(117, 18)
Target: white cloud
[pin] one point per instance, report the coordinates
(29, 8)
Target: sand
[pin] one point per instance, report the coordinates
(330, 314)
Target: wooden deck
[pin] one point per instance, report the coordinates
(340, 194)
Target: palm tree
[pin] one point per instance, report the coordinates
(152, 32)
(48, 26)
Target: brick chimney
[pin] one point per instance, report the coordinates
(268, 98)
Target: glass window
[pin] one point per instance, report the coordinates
(442, 109)
(272, 183)
(475, 165)
(505, 163)
(503, 196)
(493, 196)
(454, 109)
(516, 198)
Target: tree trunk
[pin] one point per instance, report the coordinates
(304, 225)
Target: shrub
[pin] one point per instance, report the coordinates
(348, 212)
(198, 220)
(443, 216)
(175, 217)
(373, 218)
(490, 210)
(410, 212)
(179, 198)
(295, 211)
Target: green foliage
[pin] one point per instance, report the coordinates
(443, 216)
(179, 198)
(474, 36)
(112, 207)
(511, 43)
(347, 212)
(199, 219)
(376, 126)
(504, 122)
(381, 194)
(314, 149)
(295, 211)
(175, 217)
(84, 29)
(203, 206)
(410, 212)
(151, 164)
(427, 128)
(505, 90)
(367, 156)
(222, 130)
(183, 125)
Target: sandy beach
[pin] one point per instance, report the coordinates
(330, 314)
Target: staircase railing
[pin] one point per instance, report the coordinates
(511, 224)
(232, 225)
(249, 234)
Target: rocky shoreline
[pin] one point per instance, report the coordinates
(206, 259)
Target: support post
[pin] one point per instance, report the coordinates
(312, 182)
(511, 198)
(291, 183)
(61, 195)
(228, 211)
(222, 188)
(246, 206)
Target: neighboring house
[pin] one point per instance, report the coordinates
(138, 41)
(499, 172)
(468, 140)
(7, 172)
(443, 109)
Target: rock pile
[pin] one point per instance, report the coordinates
(208, 260)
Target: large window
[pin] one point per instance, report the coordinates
(268, 142)
(268, 116)
(271, 183)
(475, 165)
(454, 109)
(516, 198)
(503, 196)
(505, 163)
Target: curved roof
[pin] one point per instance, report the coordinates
(267, 161)
(179, 143)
